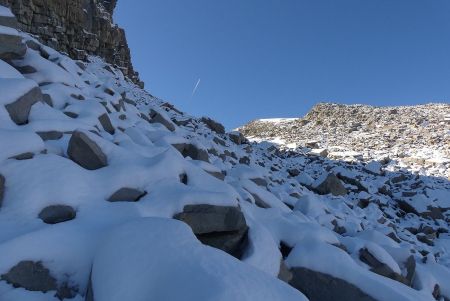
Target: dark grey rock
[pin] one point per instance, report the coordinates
(318, 286)
(332, 185)
(106, 123)
(85, 152)
(20, 108)
(259, 181)
(379, 267)
(213, 125)
(293, 172)
(190, 150)
(11, 47)
(32, 276)
(410, 269)
(158, 118)
(55, 214)
(2, 189)
(244, 160)
(259, 202)
(222, 227)
(50, 135)
(71, 114)
(23, 156)
(126, 195)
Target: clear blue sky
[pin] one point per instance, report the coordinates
(277, 58)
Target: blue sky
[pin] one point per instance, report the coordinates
(277, 58)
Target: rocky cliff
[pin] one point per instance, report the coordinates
(77, 27)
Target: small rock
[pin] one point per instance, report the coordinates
(55, 214)
(32, 276)
(126, 195)
(237, 137)
(85, 152)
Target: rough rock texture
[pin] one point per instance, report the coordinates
(86, 152)
(322, 287)
(217, 226)
(77, 27)
(55, 214)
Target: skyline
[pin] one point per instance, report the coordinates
(278, 59)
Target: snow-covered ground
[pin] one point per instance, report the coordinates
(108, 193)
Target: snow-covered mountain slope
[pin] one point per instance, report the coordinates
(108, 193)
(416, 137)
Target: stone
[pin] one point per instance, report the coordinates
(23, 156)
(284, 273)
(50, 135)
(379, 267)
(237, 137)
(106, 123)
(293, 172)
(216, 174)
(213, 125)
(20, 109)
(332, 185)
(85, 152)
(259, 181)
(222, 227)
(317, 286)
(410, 270)
(11, 46)
(190, 150)
(55, 214)
(2, 189)
(32, 276)
(156, 117)
(126, 195)
(259, 202)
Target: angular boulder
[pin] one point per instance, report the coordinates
(237, 137)
(11, 45)
(213, 125)
(222, 227)
(106, 123)
(55, 214)
(85, 152)
(190, 150)
(331, 184)
(126, 195)
(157, 117)
(379, 267)
(20, 109)
(318, 286)
(50, 135)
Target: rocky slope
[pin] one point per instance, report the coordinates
(77, 27)
(417, 137)
(108, 194)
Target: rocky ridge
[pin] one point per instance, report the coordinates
(108, 193)
(78, 28)
(415, 137)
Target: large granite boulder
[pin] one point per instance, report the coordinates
(331, 184)
(20, 108)
(222, 227)
(85, 152)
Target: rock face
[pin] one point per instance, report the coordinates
(86, 152)
(55, 214)
(217, 226)
(322, 287)
(77, 27)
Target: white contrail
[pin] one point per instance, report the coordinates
(195, 88)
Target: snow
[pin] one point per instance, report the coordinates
(196, 273)
(7, 71)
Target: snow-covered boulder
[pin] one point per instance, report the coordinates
(85, 152)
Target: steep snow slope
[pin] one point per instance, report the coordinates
(108, 193)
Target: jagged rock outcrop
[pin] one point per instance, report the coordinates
(77, 27)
